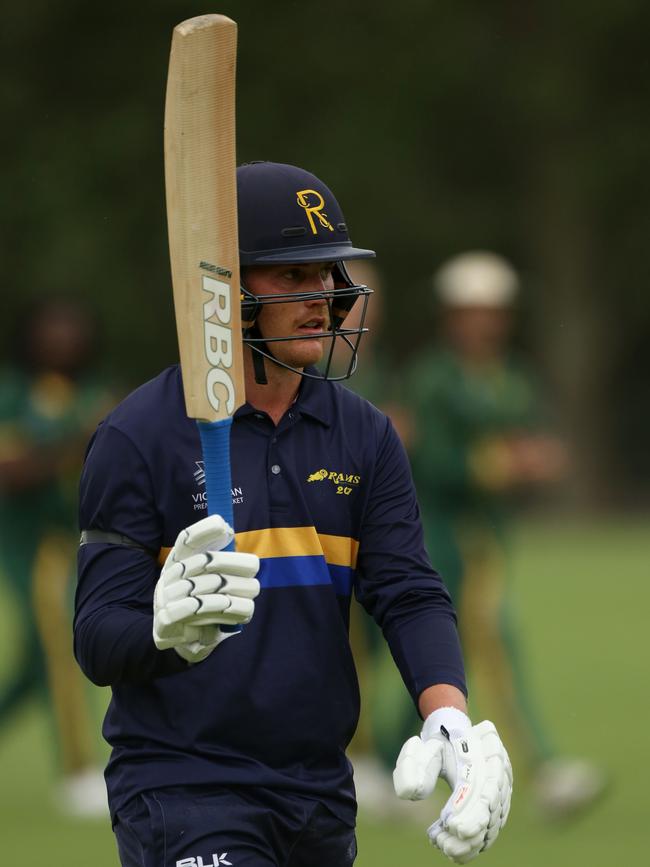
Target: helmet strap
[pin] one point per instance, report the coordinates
(258, 368)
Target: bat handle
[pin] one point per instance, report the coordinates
(215, 443)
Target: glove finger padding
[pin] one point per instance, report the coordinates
(186, 584)
(169, 621)
(182, 633)
(202, 610)
(209, 534)
(222, 608)
(477, 765)
(232, 585)
(193, 643)
(209, 638)
(232, 563)
(460, 851)
(417, 769)
(201, 587)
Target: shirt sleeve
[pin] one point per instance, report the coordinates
(397, 584)
(114, 600)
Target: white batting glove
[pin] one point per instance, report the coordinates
(201, 586)
(475, 764)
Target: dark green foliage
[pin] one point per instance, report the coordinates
(441, 126)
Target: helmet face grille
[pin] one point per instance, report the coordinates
(287, 214)
(340, 357)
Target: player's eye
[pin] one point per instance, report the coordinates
(326, 271)
(292, 274)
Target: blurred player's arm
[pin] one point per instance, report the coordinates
(25, 465)
(499, 463)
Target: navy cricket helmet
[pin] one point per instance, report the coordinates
(288, 215)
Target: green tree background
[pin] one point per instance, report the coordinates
(441, 124)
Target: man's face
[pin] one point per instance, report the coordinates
(300, 319)
(60, 338)
(479, 333)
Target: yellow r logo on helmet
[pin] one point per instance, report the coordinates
(306, 201)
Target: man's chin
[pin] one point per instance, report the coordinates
(302, 354)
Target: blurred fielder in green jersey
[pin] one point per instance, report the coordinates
(480, 437)
(49, 402)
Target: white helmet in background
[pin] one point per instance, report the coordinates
(476, 279)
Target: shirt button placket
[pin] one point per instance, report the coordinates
(277, 474)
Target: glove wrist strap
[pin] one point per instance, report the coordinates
(453, 720)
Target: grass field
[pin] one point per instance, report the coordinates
(582, 593)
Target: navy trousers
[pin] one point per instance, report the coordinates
(215, 827)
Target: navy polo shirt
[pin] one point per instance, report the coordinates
(326, 500)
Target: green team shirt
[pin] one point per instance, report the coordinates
(46, 412)
(458, 410)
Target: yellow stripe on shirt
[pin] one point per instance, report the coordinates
(299, 542)
(294, 542)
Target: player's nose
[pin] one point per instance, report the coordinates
(321, 287)
(319, 297)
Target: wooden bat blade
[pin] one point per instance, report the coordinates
(200, 181)
(201, 188)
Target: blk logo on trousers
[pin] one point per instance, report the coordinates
(217, 861)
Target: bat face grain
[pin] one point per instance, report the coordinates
(201, 188)
(200, 181)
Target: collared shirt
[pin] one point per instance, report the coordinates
(326, 499)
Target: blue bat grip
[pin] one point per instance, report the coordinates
(215, 443)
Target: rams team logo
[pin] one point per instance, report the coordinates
(344, 482)
(313, 203)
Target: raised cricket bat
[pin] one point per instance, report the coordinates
(200, 181)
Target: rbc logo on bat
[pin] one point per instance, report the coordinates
(218, 344)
